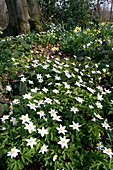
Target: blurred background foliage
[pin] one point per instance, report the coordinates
(79, 12)
(69, 12)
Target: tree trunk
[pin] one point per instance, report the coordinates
(24, 15)
(3, 14)
(98, 10)
(13, 23)
(36, 21)
(111, 12)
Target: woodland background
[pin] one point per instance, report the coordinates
(56, 9)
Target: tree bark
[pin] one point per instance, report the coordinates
(24, 15)
(36, 20)
(98, 10)
(111, 12)
(12, 12)
(3, 14)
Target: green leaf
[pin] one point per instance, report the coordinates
(27, 157)
(20, 164)
(23, 159)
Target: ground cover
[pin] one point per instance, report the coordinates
(57, 100)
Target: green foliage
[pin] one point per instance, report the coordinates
(61, 100)
(95, 42)
(69, 12)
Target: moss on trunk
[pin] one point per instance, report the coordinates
(24, 15)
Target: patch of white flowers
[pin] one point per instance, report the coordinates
(47, 112)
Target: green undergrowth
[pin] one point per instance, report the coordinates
(56, 100)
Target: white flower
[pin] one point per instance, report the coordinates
(5, 117)
(55, 91)
(93, 72)
(56, 71)
(35, 61)
(13, 59)
(75, 126)
(13, 153)
(68, 75)
(82, 73)
(108, 152)
(99, 88)
(107, 91)
(74, 109)
(86, 66)
(14, 120)
(99, 146)
(77, 84)
(48, 75)
(32, 106)
(98, 116)
(55, 157)
(34, 90)
(94, 119)
(27, 96)
(56, 101)
(25, 118)
(40, 80)
(63, 142)
(30, 82)
(53, 112)
(45, 90)
(48, 100)
(58, 84)
(30, 127)
(73, 75)
(23, 79)
(76, 69)
(31, 142)
(67, 86)
(111, 101)
(98, 72)
(34, 65)
(61, 129)
(88, 44)
(104, 70)
(16, 101)
(27, 66)
(43, 131)
(45, 66)
(99, 105)
(91, 90)
(105, 125)
(57, 77)
(39, 76)
(57, 118)
(68, 92)
(39, 102)
(99, 97)
(79, 99)
(91, 107)
(43, 149)
(49, 84)
(8, 88)
(80, 79)
(41, 113)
